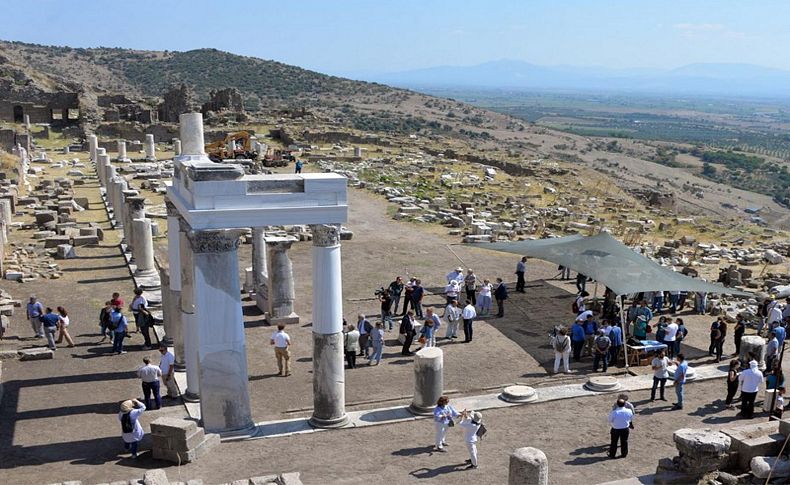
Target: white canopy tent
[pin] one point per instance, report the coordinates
(607, 260)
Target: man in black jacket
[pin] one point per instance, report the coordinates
(500, 294)
(407, 329)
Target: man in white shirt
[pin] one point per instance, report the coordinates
(774, 314)
(670, 333)
(453, 314)
(468, 314)
(150, 375)
(167, 367)
(282, 342)
(620, 420)
(750, 379)
(451, 291)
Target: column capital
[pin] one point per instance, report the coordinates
(279, 243)
(214, 241)
(136, 203)
(326, 235)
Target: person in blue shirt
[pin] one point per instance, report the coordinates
(443, 415)
(644, 311)
(34, 311)
(616, 336)
(590, 332)
(121, 326)
(416, 298)
(780, 334)
(49, 322)
(577, 340)
(298, 168)
(680, 380)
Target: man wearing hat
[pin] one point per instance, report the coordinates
(131, 430)
(457, 276)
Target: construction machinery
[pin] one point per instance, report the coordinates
(235, 145)
(277, 158)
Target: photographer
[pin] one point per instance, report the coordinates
(385, 297)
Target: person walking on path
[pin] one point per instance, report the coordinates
(34, 312)
(601, 348)
(750, 380)
(118, 320)
(562, 351)
(680, 379)
(452, 313)
(470, 285)
(484, 297)
(500, 294)
(408, 331)
(167, 364)
(443, 416)
(50, 321)
(732, 382)
(377, 337)
(63, 325)
(521, 270)
(470, 423)
(104, 322)
(395, 290)
(577, 340)
(660, 374)
(282, 350)
(468, 314)
(351, 344)
(131, 430)
(150, 375)
(620, 421)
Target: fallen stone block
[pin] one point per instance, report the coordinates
(45, 216)
(173, 427)
(702, 450)
(36, 353)
(178, 443)
(211, 441)
(8, 354)
(759, 439)
(290, 479)
(85, 240)
(13, 275)
(65, 251)
(53, 242)
(155, 477)
(264, 480)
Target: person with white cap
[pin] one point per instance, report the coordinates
(750, 379)
(131, 429)
(470, 423)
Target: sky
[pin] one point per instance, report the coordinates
(369, 36)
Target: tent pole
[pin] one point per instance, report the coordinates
(622, 328)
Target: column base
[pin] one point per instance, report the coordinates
(190, 396)
(420, 411)
(291, 319)
(180, 366)
(328, 423)
(150, 159)
(123, 160)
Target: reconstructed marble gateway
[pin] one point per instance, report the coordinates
(208, 206)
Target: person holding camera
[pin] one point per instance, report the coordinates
(470, 423)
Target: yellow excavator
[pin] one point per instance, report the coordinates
(235, 145)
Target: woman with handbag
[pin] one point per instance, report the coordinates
(443, 415)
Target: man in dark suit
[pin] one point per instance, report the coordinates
(407, 329)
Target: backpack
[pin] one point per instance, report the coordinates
(560, 343)
(113, 322)
(126, 423)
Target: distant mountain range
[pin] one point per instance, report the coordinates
(705, 79)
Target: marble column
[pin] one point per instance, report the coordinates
(173, 321)
(101, 168)
(149, 147)
(329, 385)
(428, 380)
(122, 157)
(260, 273)
(189, 321)
(143, 248)
(281, 281)
(109, 175)
(222, 356)
(118, 186)
(93, 142)
(176, 147)
(191, 133)
(134, 209)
